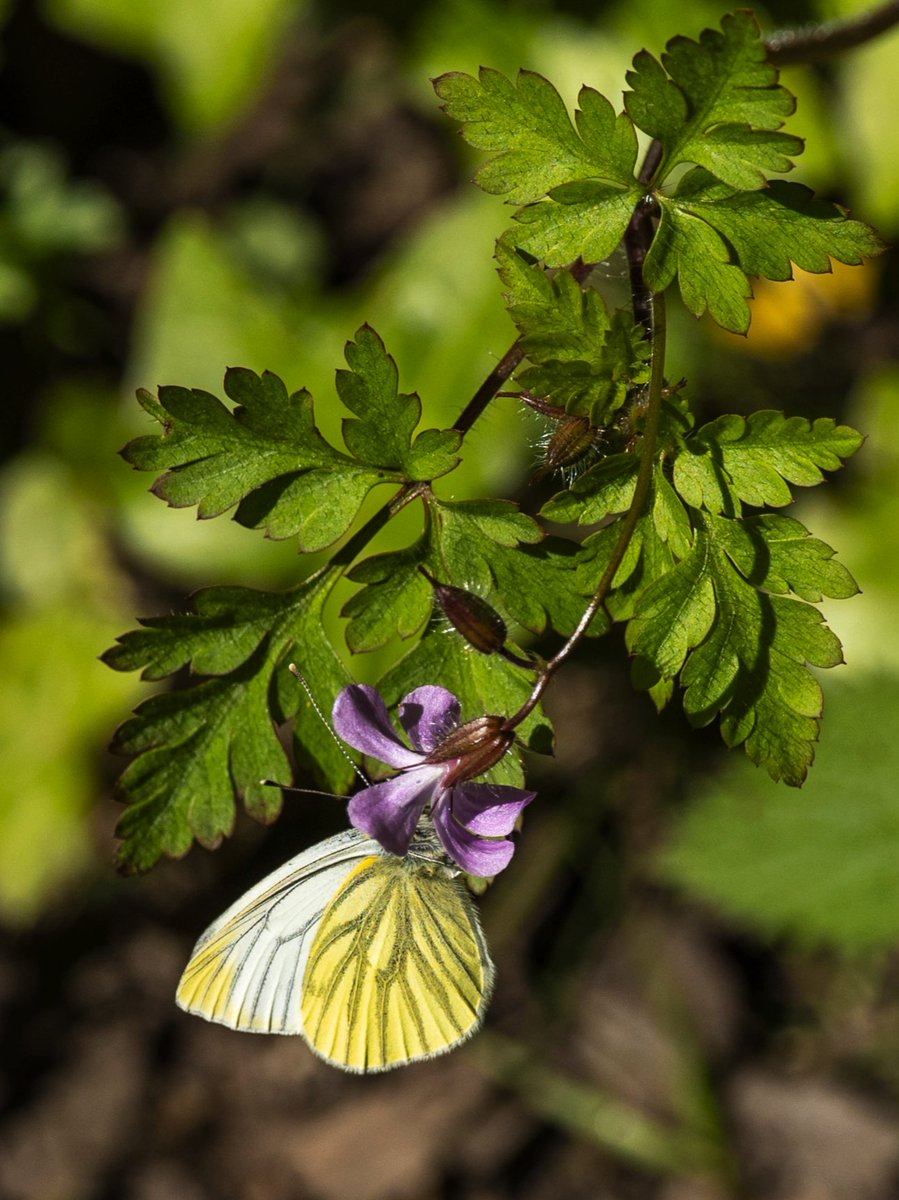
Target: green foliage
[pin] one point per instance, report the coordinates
(736, 460)
(197, 747)
(715, 593)
(581, 356)
(715, 104)
(268, 454)
(820, 864)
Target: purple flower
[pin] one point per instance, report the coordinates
(472, 820)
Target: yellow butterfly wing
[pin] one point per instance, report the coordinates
(398, 968)
(246, 970)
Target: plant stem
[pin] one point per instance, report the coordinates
(819, 41)
(632, 516)
(488, 389)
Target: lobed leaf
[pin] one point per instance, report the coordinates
(527, 127)
(267, 448)
(582, 360)
(770, 230)
(716, 103)
(199, 747)
(380, 435)
(736, 459)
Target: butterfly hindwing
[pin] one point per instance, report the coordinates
(398, 969)
(246, 970)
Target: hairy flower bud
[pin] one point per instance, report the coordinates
(477, 621)
(478, 745)
(574, 438)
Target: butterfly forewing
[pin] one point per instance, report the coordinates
(246, 970)
(398, 968)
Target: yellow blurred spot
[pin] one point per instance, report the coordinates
(788, 316)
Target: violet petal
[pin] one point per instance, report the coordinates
(390, 810)
(360, 718)
(428, 714)
(490, 809)
(476, 855)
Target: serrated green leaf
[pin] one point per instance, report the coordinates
(753, 665)
(227, 624)
(754, 459)
(601, 491)
(690, 249)
(770, 230)
(579, 220)
(396, 601)
(214, 457)
(583, 361)
(181, 786)
(527, 127)
(316, 506)
(716, 103)
(529, 583)
(820, 864)
(380, 435)
(484, 685)
(779, 554)
(198, 747)
(675, 613)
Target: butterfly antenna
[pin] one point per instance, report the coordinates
(295, 670)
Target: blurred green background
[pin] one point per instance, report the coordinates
(697, 968)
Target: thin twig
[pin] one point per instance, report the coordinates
(819, 41)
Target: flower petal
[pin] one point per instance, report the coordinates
(476, 855)
(360, 718)
(428, 714)
(490, 809)
(390, 810)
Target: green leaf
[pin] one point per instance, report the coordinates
(779, 554)
(396, 601)
(688, 247)
(601, 491)
(754, 459)
(784, 224)
(674, 613)
(478, 545)
(711, 237)
(227, 624)
(199, 747)
(752, 665)
(578, 221)
(715, 103)
(535, 147)
(213, 456)
(195, 749)
(584, 361)
(820, 864)
(381, 434)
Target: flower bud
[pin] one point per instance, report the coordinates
(478, 745)
(478, 622)
(573, 439)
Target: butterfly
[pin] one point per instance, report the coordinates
(375, 960)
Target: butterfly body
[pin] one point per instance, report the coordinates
(375, 960)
